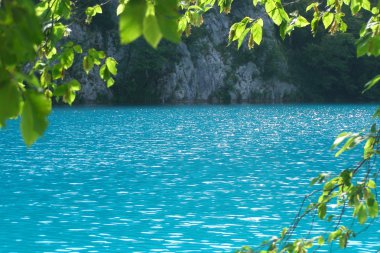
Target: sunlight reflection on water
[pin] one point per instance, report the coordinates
(168, 179)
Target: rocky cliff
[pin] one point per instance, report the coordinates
(199, 69)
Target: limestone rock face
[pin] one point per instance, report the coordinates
(200, 69)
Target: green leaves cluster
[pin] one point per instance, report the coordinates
(33, 34)
(342, 235)
(50, 11)
(92, 11)
(254, 27)
(67, 91)
(92, 58)
(273, 245)
(369, 41)
(108, 70)
(359, 196)
(33, 106)
(193, 12)
(20, 31)
(353, 190)
(351, 140)
(286, 22)
(240, 30)
(193, 15)
(225, 5)
(152, 20)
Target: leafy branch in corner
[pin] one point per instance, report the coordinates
(353, 192)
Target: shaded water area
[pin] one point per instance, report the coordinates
(169, 179)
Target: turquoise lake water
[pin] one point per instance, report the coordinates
(169, 179)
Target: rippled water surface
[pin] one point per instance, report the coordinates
(168, 179)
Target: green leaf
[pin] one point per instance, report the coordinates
(20, 32)
(355, 6)
(321, 241)
(301, 22)
(59, 31)
(350, 143)
(373, 128)
(371, 184)
(370, 201)
(314, 23)
(334, 235)
(88, 64)
(232, 33)
(67, 58)
(257, 31)
(343, 241)
(368, 147)
(362, 214)
(308, 244)
(366, 5)
(362, 45)
(74, 85)
(274, 12)
(341, 137)
(92, 11)
(342, 26)
(110, 82)
(41, 8)
(34, 122)
(151, 30)
(283, 232)
(167, 18)
(120, 9)
(242, 37)
(283, 28)
(50, 53)
(373, 210)
(78, 49)
(374, 45)
(371, 83)
(346, 177)
(322, 211)
(58, 71)
(67, 91)
(225, 6)
(111, 65)
(327, 19)
(96, 56)
(283, 13)
(131, 21)
(182, 24)
(103, 72)
(330, 185)
(346, 2)
(10, 102)
(251, 42)
(314, 180)
(45, 78)
(64, 9)
(311, 6)
(240, 29)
